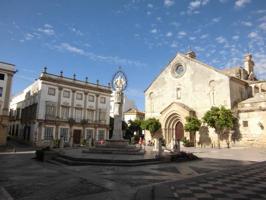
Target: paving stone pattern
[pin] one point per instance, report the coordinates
(246, 183)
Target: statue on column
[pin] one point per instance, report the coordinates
(119, 84)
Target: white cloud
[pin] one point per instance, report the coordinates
(235, 37)
(66, 47)
(70, 48)
(246, 23)
(204, 36)
(253, 35)
(169, 34)
(260, 61)
(169, 3)
(241, 3)
(216, 19)
(182, 33)
(150, 5)
(47, 29)
(263, 26)
(220, 40)
(196, 4)
(76, 31)
(154, 31)
(29, 36)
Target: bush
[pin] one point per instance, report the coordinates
(187, 143)
(183, 156)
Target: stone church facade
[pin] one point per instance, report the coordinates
(188, 87)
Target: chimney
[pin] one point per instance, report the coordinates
(249, 64)
(191, 54)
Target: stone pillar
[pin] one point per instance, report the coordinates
(7, 94)
(85, 105)
(59, 102)
(96, 108)
(118, 113)
(72, 104)
(39, 134)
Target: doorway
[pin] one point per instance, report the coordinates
(76, 136)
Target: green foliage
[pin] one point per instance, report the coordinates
(187, 143)
(151, 125)
(192, 124)
(219, 118)
(135, 126)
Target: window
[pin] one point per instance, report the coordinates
(102, 115)
(2, 76)
(64, 134)
(245, 123)
(101, 134)
(66, 94)
(78, 114)
(64, 112)
(50, 110)
(90, 115)
(48, 133)
(178, 93)
(51, 91)
(89, 134)
(79, 96)
(91, 98)
(102, 100)
(1, 91)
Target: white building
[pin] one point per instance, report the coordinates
(188, 87)
(6, 73)
(55, 106)
(133, 114)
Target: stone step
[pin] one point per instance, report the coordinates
(106, 162)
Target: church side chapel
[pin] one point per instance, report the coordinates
(189, 87)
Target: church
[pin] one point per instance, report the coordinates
(189, 87)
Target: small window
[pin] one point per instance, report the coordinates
(178, 93)
(1, 91)
(64, 134)
(91, 98)
(101, 134)
(245, 123)
(89, 134)
(66, 94)
(79, 96)
(102, 100)
(48, 133)
(51, 91)
(2, 76)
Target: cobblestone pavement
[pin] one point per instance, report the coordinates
(23, 178)
(245, 183)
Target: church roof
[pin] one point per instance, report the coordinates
(223, 72)
(134, 111)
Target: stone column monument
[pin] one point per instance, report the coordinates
(119, 84)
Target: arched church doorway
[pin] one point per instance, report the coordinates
(173, 130)
(179, 131)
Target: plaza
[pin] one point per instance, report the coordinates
(22, 177)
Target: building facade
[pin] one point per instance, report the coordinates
(188, 87)
(55, 106)
(6, 74)
(133, 114)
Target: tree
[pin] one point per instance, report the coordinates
(221, 119)
(192, 126)
(152, 125)
(135, 126)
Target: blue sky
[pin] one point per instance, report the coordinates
(92, 38)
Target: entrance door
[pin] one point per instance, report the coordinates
(76, 136)
(179, 131)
